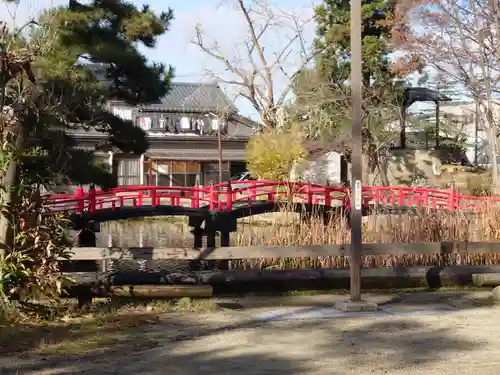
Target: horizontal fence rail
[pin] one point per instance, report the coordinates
(230, 195)
(272, 252)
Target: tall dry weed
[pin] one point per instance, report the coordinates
(407, 227)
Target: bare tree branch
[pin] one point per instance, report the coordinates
(258, 79)
(461, 41)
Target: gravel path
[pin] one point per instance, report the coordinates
(232, 342)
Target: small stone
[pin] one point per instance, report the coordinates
(356, 306)
(495, 295)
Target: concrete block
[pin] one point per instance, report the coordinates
(355, 306)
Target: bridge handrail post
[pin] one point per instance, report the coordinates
(195, 203)
(347, 199)
(211, 197)
(229, 198)
(401, 198)
(452, 200)
(307, 189)
(153, 197)
(328, 196)
(80, 201)
(376, 196)
(253, 192)
(92, 198)
(425, 200)
(139, 198)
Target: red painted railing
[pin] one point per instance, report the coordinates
(224, 197)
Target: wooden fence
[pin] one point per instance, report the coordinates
(291, 279)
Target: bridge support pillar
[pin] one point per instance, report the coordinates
(211, 235)
(210, 232)
(87, 238)
(198, 237)
(225, 239)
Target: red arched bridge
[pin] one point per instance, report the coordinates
(216, 208)
(249, 197)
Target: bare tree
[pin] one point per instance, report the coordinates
(461, 41)
(257, 75)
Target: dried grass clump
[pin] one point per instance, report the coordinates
(409, 227)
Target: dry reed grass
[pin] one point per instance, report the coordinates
(409, 227)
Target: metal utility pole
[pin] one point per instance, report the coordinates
(356, 159)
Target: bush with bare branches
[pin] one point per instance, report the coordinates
(272, 154)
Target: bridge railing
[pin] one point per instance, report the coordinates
(409, 197)
(223, 197)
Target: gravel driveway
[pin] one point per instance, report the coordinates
(233, 342)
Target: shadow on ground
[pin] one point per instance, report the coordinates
(462, 300)
(190, 345)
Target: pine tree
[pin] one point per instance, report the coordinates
(71, 97)
(381, 96)
(46, 91)
(333, 40)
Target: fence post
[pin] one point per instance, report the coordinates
(80, 203)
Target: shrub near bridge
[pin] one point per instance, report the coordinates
(30, 269)
(272, 154)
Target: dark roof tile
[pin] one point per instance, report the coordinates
(193, 97)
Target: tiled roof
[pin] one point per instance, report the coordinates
(187, 97)
(193, 97)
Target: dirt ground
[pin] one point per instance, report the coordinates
(460, 331)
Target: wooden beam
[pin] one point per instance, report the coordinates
(383, 277)
(162, 291)
(270, 252)
(486, 279)
(478, 247)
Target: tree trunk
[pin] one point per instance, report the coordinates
(382, 169)
(493, 155)
(366, 173)
(8, 182)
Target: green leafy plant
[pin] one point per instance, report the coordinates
(30, 269)
(46, 95)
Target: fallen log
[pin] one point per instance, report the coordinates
(241, 281)
(486, 279)
(162, 291)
